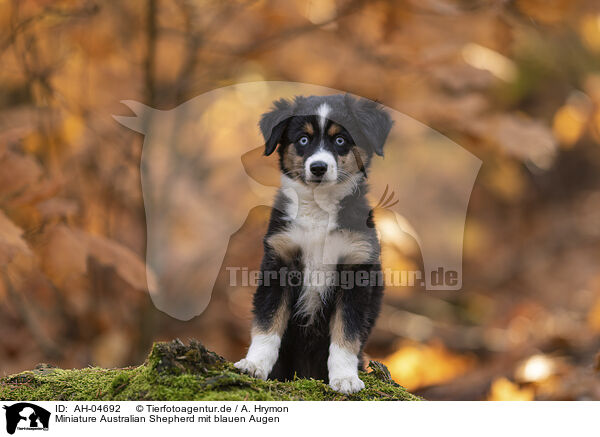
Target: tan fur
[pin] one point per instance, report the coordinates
(292, 162)
(338, 336)
(279, 322)
(351, 247)
(354, 161)
(308, 127)
(333, 129)
(283, 245)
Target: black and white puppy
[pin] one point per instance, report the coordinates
(321, 227)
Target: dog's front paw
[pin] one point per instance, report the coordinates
(251, 368)
(347, 385)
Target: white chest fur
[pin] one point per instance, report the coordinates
(313, 215)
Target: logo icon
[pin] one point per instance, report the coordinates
(26, 416)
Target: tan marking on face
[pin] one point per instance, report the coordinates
(292, 162)
(284, 246)
(308, 127)
(337, 332)
(333, 129)
(354, 161)
(279, 321)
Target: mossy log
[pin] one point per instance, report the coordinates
(174, 371)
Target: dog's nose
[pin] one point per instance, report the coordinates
(318, 168)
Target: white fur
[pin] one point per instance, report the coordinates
(328, 158)
(261, 356)
(342, 365)
(313, 214)
(323, 111)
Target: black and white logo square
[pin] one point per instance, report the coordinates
(25, 416)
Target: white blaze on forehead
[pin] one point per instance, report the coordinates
(323, 111)
(327, 158)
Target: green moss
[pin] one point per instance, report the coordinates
(174, 371)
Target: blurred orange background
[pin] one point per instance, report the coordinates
(517, 83)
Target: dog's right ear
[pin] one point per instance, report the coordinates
(273, 124)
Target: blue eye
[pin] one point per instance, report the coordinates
(340, 141)
(303, 141)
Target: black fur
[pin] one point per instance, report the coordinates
(304, 347)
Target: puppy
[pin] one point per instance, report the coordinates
(321, 285)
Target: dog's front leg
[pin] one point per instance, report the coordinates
(342, 363)
(346, 326)
(271, 315)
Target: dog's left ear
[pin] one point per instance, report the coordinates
(373, 121)
(273, 124)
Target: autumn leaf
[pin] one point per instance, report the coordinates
(526, 139)
(75, 246)
(128, 265)
(11, 240)
(17, 172)
(504, 390)
(418, 365)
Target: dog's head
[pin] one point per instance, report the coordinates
(325, 139)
